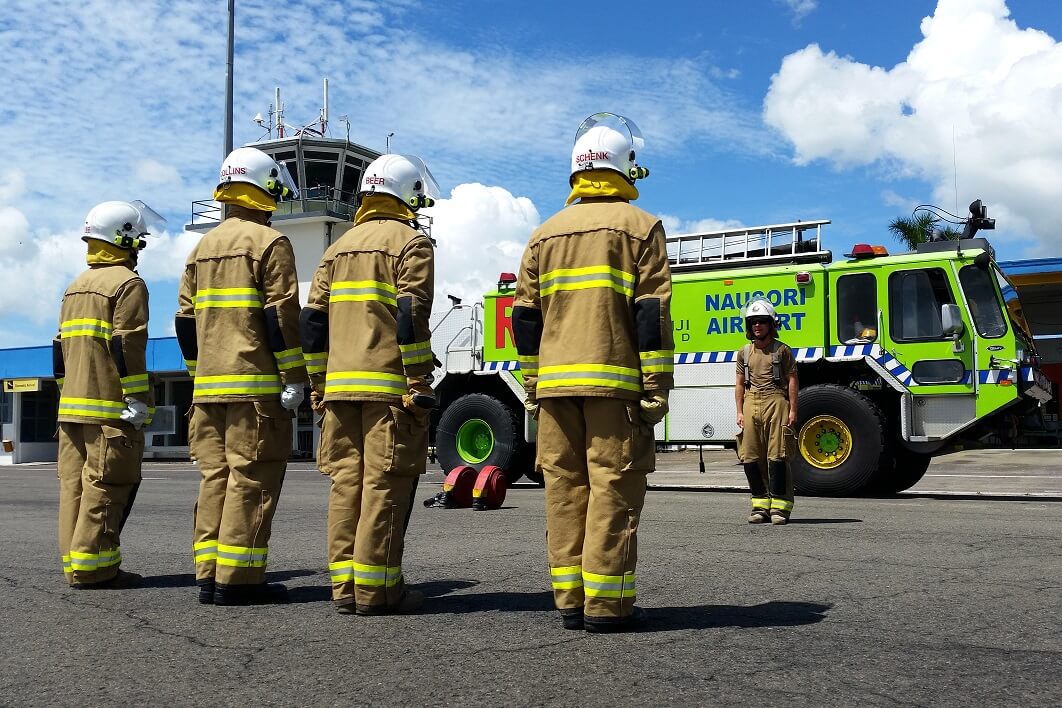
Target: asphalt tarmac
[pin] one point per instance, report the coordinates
(917, 600)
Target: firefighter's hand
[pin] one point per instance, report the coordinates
(292, 395)
(531, 406)
(317, 401)
(420, 400)
(741, 420)
(654, 407)
(792, 418)
(135, 413)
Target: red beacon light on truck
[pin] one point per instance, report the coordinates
(803, 278)
(506, 281)
(865, 250)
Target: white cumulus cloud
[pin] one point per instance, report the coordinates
(976, 80)
(480, 231)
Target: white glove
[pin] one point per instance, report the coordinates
(136, 412)
(292, 396)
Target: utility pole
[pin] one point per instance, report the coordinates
(228, 78)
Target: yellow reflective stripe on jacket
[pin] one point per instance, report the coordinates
(316, 362)
(236, 384)
(378, 575)
(95, 561)
(242, 556)
(661, 361)
(415, 353)
(85, 327)
(590, 375)
(289, 358)
(364, 382)
(229, 297)
(596, 585)
(528, 365)
(205, 551)
(91, 407)
(137, 383)
(363, 291)
(781, 504)
(761, 503)
(584, 278)
(566, 577)
(190, 365)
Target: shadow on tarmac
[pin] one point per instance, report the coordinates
(824, 521)
(775, 613)
(187, 580)
(443, 603)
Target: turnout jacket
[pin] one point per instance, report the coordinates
(99, 356)
(238, 317)
(592, 310)
(365, 324)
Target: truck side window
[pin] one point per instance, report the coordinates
(980, 290)
(915, 298)
(857, 308)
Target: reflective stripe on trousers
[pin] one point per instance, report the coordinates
(613, 586)
(566, 577)
(241, 556)
(205, 551)
(361, 574)
(92, 561)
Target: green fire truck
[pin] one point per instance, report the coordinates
(900, 357)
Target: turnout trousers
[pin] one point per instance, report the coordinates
(766, 444)
(594, 454)
(374, 454)
(99, 473)
(242, 450)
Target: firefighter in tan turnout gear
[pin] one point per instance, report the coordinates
(99, 362)
(594, 339)
(238, 330)
(368, 351)
(766, 395)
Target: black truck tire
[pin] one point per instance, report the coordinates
(841, 441)
(479, 430)
(905, 471)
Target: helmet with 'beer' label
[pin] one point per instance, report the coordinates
(607, 141)
(122, 224)
(403, 176)
(252, 166)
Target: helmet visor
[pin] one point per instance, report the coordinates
(621, 124)
(430, 186)
(286, 179)
(151, 218)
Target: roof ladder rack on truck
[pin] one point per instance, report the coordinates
(749, 245)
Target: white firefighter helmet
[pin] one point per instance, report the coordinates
(122, 224)
(252, 166)
(402, 176)
(606, 141)
(757, 309)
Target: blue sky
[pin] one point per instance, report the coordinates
(755, 112)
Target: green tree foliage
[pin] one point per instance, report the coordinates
(920, 228)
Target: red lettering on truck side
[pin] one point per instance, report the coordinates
(503, 321)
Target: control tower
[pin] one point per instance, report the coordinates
(327, 172)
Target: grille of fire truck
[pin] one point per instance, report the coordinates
(798, 242)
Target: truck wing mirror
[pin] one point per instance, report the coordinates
(951, 320)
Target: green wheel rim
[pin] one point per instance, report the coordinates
(475, 441)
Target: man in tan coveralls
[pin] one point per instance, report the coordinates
(238, 330)
(99, 363)
(593, 334)
(766, 395)
(368, 351)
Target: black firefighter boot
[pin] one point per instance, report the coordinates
(758, 490)
(781, 491)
